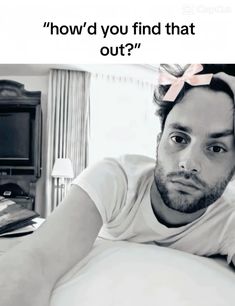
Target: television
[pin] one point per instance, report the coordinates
(15, 137)
(20, 130)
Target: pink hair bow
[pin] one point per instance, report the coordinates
(189, 77)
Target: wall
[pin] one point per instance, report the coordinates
(36, 83)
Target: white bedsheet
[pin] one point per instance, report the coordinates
(124, 273)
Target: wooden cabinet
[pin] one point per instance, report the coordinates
(20, 137)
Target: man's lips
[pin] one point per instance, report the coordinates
(185, 183)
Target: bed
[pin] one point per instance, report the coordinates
(126, 273)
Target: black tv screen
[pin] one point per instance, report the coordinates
(14, 136)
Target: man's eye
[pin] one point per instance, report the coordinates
(179, 139)
(216, 149)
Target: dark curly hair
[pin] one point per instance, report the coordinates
(216, 84)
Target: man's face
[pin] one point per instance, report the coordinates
(196, 152)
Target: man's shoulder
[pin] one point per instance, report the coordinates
(136, 159)
(128, 167)
(131, 165)
(134, 163)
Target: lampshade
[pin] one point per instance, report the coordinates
(62, 168)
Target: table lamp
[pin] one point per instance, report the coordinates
(62, 169)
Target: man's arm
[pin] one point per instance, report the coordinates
(30, 270)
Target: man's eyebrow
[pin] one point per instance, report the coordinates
(180, 127)
(186, 129)
(224, 133)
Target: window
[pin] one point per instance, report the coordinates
(123, 117)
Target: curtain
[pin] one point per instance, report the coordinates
(67, 127)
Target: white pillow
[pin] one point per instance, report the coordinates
(126, 274)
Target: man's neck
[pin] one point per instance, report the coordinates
(167, 215)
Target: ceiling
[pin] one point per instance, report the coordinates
(43, 69)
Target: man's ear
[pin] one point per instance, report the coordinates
(159, 136)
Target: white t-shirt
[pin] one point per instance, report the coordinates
(120, 189)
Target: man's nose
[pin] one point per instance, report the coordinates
(190, 160)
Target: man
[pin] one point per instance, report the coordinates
(179, 203)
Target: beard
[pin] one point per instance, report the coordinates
(184, 202)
